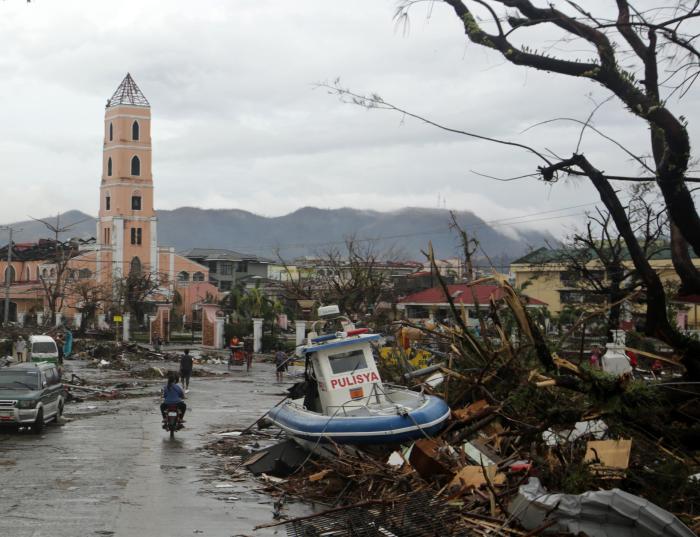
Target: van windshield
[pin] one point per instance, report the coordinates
(18, 377)
(44, 347)
(348, 361)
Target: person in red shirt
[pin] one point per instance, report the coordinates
(594, 359)
(632, 357)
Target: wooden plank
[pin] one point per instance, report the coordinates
(654, 356)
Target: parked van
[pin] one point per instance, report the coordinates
(42, 349)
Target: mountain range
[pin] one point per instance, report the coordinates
(311, 231)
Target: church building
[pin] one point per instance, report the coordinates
(126, 239)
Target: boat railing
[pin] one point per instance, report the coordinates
(377, 390)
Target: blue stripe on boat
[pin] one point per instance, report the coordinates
(427, 419)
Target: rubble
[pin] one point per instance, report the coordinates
(523, 419)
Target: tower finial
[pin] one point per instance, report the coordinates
(128, 93)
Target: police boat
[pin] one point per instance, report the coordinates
(343, 398)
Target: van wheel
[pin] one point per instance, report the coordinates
(38, 426)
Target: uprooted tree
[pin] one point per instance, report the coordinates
(643, 57)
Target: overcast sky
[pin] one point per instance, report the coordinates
(237, 122)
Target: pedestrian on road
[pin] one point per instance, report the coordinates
(280, 364)
(61, 354)
(186, 370)
(594, 360)
(20, 347)
(248, 349)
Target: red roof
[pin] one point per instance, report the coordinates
(462, 294)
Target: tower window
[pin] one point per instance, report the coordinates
(135, 166)
(10, 274)
(111, 132)
(135, 130)
(108, 203)
(109, 166)
(135, 269)
(135, 235)
(135, 203)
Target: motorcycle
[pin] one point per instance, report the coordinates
(173, 420)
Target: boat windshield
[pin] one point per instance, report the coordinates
(348, 361)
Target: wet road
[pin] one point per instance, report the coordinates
(111, 470)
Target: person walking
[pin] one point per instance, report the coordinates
(280, 364)
(20, 348)
(248, 349)
(186, 370)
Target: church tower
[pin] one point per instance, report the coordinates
(126, 227)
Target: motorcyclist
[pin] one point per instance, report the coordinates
(173, 394)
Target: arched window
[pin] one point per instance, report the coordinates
(52, 273)
(111, 132)
(135, 268)
(10, 274)
(108, 201)
(44, 273)
(136, 200)
(29, 274)
(135, 166)
(135, 130)
(198, 277)
(109, 167)
(183, 276)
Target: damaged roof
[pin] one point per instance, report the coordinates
(43, 249)
(463, 293)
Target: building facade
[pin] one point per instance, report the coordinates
(544, 274)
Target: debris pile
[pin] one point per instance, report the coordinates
(78, 389)
(536, 444)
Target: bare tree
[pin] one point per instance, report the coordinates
(355, 277)
(86, 296)
(596, 260)
(56, 281)
(133, 292)
(643, 58)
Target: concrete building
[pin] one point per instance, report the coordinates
(227, 267)
(546, 276)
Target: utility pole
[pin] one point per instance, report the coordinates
(8, 275)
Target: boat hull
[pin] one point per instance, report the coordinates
(426, 419)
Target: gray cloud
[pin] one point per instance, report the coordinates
(237, 122)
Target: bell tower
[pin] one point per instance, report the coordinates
(126, 228)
